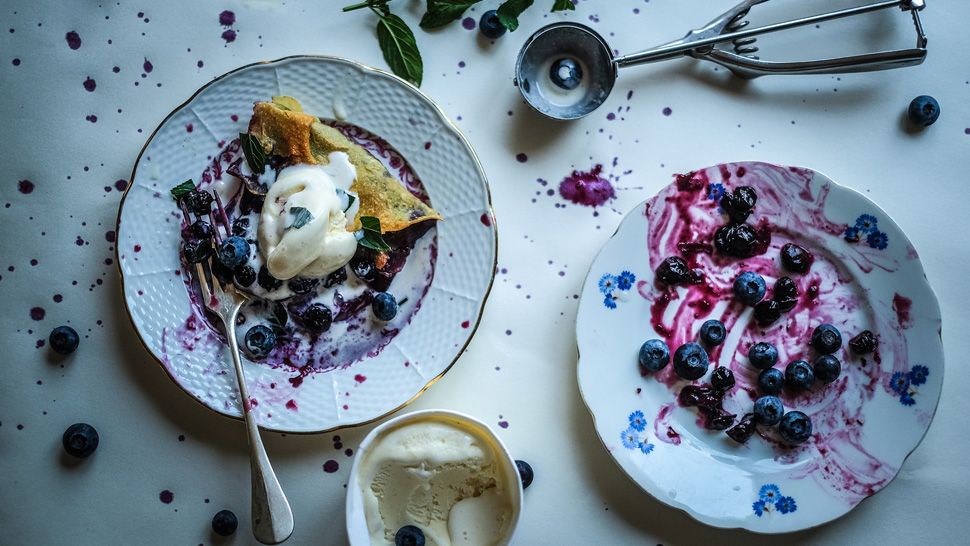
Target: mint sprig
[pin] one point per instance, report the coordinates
(253, 150)
(508, 13)
(399, 46)
(370, 234)
(301, 217)
(183, 189)
(442, 12)
(563, 5)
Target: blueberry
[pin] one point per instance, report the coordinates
(566, 73)
(654, 355)
(224, 523)
(384, 306)
(785, 293)
(924, 111)
(409, 535)
(63, 340)
(827, 368)
(743, 430)
(864, 343)
(719, 420)
(690, 361)
(317, 318)
(768, 410)
(799, 375)
(795, 427)
(222, 272)
(80, 440)
(738, 240)
(233, 252)
(302, 285)
(826, 339)
(199, 202)
(771, 381)
(196, 250)
(267, 281)
(673, 270)
(526, 474)
(722, 378)
(490, 26)
(363, 268)
(713, 332)
(708, 399)
(259, 341)
(245, 276)
(795, 258)
(337, 277)
(200, 229)
(750, 288)
(767, 312)
(240, 226)
(739, 204)
(763, 355)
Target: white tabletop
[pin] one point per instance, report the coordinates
(519, 371)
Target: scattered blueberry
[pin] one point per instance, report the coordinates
(826, 339)
(738, 240)
(240, 226)
(409, 535)
(267, 281)
(795, 258)
(259, 341)
(233, 252)
(363, 268)
(795, 427)
(864, 343)
(200, 229)
(924, 110)
(767, 312)
(526, 474)
(221, 271)
(743, 430)
(785, 293)
(196, 250)
(713, 332)
(199, 202)
(768, 410)
(739, 204)
(80, 440)
(708, 399)
(64, 340)
(566, 73)
(690, 361)
(722, 378)
(335, 278)
(827, 368)
(719, 420)
(771, 381)
(763, 355)
(245, 276)
(384, 306)
(490, 26)
(673, 270)
(750, 288)
(799, 375)
(224, 523)
(302, 285)
(654, 355)
(317, 318)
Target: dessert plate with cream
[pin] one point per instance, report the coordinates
(724, 464)
(347, 208)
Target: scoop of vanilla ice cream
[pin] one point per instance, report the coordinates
(302, 226)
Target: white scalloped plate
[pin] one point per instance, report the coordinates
(865, 424)
(182, 146)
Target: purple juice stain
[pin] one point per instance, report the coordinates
(73, 40)
(90, 84)
(166, 496)
(521, 157)
(120, 185)
(229, 36)
(667, 111)
(147, 66)
(588, 188)
(116, 69)
(109, 236)
(16, 62)
(25, 186)
(37, 313)
(331, 466)
(199, 64)
(468, 23)
(503, 424)
(227, 18)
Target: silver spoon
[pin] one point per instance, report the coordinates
(566, 70)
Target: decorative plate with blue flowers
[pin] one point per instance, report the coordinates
(865, 275)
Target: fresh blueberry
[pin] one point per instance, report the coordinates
(771, 381)
(690, 361)
(750, 288)
(738, 240)
(768, 410)
(795, 427)
(199, 202)
(302, 285)
(827, 368)
(654, 355)
(63, 340)
(763, 355)
(719, 420)
(713, 332)
(566, 73)
(259, 341)
(924, 111)
(767, 312)
(673, 270)
(739, 204)
(363, 268)
(196, 250)
(240, 226)
(826, 339)
(384, 306)
(80, 440)
(795, 258)
(743, 430)
(490, 25)
(337, 277)
(526, 474)
(267, 281)
(317, 318)
(224, 523)
(409, 535)
(722, 378)
(200, 229)
(864, 343)
(785, 293)
(245, 276)
(233, 252)
(799, 375)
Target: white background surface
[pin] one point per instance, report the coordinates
(849, 128)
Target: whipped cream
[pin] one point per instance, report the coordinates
(294, 244)
(444, 479)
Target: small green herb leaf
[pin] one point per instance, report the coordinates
(255, 155)
(563, 5)
(442, 12)
(278, 319)
(180, 191)
(371, 234)
(399, 47)
(508, 13)
(350, 201)
(301, 217)
(367, 4)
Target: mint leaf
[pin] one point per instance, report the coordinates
(180, 191)
(508, 13)
(399, 47)
(253, 150)
(301, 218)
(442, 12)
(350, 201)
(370, 234)
(563, 5)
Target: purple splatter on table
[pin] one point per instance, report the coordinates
(587, 188)
(73, 40)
